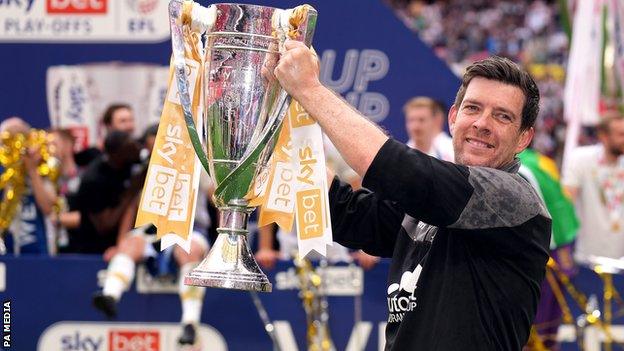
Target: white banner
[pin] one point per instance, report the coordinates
(70, 103)
(108, 21)
(308, 162)
(616, 10)
(582, 87)
(79, 95)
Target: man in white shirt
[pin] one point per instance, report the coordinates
(423, 123)
(594, 177)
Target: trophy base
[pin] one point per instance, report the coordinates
(229, 265)
(235, 282)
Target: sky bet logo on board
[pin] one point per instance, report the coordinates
(133, 340)
(78, 341)
(25, 4)
(76, 6)
(102, 336)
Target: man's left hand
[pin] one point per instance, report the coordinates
(298, 69)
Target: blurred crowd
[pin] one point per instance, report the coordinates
(95, 194)
(529, 32)
(91, 208)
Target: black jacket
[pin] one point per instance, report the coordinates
(468, 245)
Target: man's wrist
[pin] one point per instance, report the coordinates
(311, 95)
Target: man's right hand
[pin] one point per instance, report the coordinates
(365, 260)
(267, 258)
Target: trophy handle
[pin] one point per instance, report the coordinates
(176, 9)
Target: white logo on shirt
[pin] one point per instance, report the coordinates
(401, 297)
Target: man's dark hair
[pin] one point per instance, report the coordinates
(107, 117)
(505, 71)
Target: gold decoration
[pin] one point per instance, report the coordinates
(13, 148)
(607, 279)
(314, 305)
(298, 16)
(535, 343)
(591, 317)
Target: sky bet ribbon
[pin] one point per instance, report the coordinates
(170, 191)
(295, 188)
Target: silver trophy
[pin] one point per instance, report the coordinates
(243, 111)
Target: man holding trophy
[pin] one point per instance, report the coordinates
(469, 241)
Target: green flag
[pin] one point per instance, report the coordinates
(564, 221)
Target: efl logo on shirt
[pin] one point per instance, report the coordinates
(133, 340)
(76, 6)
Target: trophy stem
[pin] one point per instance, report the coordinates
(230, 264)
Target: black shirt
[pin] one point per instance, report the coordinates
(101, 187)
(469, 247)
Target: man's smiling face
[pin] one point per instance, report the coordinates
(486, 126)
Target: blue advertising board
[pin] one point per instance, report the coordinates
(50, 310)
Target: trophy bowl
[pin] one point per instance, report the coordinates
(244, 107)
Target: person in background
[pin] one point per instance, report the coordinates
(423, 125)
(31, 231)
(594, 178)
(116, 117)
(442, 141)
(68, 184)
(105, 194)
(140, 245)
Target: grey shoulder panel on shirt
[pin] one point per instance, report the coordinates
(418, 231)
(499, 199)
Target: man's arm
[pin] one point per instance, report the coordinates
(357, 139)
(69, 220)
(400, 177)
(435, 192)
(266, 256)
(444, 194)
(362, 221)
(573, 172)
